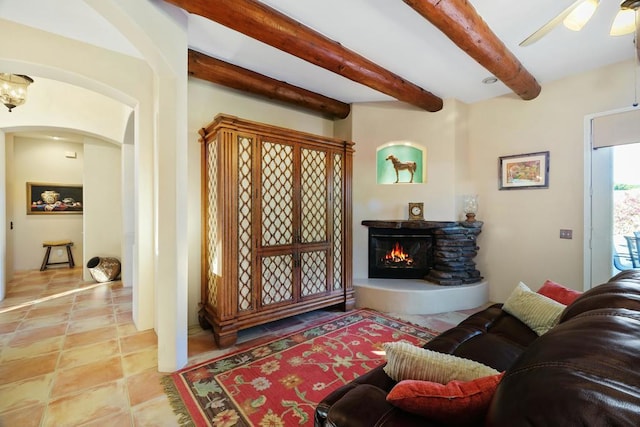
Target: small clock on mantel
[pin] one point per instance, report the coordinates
(416, 211)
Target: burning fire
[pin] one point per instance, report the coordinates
(397, 255)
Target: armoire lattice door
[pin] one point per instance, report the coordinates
(276, 224)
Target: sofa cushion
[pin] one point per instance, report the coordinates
(536, 311)
(408, 362)
(491, 328)
(558, 292)
(457, 402)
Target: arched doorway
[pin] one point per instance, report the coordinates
(156, 91)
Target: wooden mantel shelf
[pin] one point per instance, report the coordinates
(413, 223)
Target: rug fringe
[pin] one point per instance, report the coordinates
(178, 406)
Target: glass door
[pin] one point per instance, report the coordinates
(615, 209)
(626, 206)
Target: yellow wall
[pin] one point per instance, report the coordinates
(157, 99)
(521, 234)
(520, 239)
(376, 124)
(37, 160)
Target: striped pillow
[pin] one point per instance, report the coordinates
(408, 362)
(537, 311)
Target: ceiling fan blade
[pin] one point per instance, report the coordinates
(546, 28)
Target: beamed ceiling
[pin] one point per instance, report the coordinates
(323, 55)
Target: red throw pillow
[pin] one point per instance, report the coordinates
(457, 402)
(559, 293)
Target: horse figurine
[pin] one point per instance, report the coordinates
(399, 166)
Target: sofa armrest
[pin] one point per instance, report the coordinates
(622, 291)
(582, 372)
(376, 378)
(365, 405)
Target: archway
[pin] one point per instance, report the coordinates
(155, 90)
(56, 156)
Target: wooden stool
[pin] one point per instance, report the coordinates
(49, 245)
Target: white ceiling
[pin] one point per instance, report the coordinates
(387, 32)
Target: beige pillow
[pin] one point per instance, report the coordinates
(409, 362)
(538, 312)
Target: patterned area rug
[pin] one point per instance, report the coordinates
(279, 383)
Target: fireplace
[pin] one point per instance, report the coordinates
(440, 252)
(400, 254)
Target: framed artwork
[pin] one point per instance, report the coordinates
(401, 163)
(524, 171)
(53, 199)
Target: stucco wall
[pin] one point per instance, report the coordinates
(156, 90)
(103, 209)
(376, 124)
(521, 234)
(37, 160)
(97, 232)
(520, 238)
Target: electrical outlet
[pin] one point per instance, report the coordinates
(566, 234)
(59, 252)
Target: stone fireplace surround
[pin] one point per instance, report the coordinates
(452, 284)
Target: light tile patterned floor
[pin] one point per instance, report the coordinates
(75, 358)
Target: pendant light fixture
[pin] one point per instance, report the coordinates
(13, 89)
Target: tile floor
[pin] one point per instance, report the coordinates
(70, 354)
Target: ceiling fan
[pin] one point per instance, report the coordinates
(579, 12)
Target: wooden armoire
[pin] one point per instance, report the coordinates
(276, 224)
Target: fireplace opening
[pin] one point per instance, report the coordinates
(400, 255)
(397, 257)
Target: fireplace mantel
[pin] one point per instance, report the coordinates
(413, 223)
(418, 224)
(454, 248)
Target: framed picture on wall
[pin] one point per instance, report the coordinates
(53, 199)
(523, 171)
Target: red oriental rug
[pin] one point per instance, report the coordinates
(279, 383)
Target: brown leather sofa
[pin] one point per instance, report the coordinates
(583, 372)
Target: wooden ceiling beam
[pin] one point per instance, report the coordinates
(269, 26)
(459, 21)
(214, 70)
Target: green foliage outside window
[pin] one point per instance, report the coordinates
(626, 211)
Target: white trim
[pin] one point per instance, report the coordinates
(588, 189)
(587, 232)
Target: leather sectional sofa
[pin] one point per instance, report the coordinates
(585, 371)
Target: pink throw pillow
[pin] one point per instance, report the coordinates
(457, 402)
(559, 293)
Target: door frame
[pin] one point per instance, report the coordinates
(589, 196)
